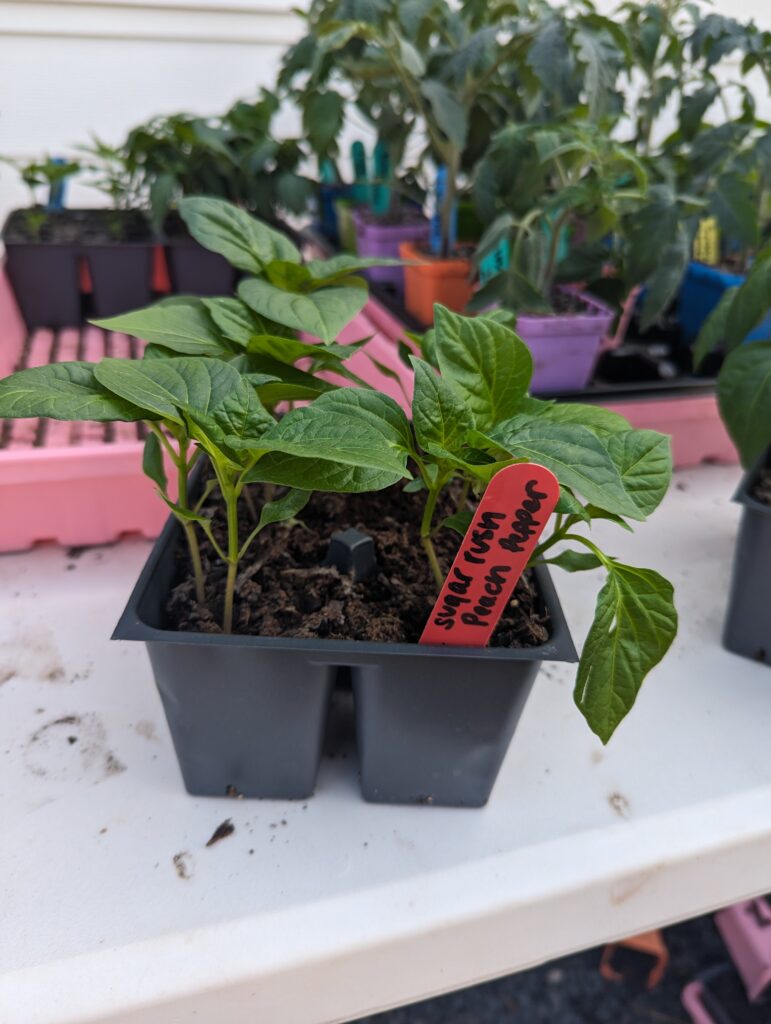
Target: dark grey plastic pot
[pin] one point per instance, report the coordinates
(747, 629)
(121, 276)
(194, 270)
(433, 723)
(44, 274)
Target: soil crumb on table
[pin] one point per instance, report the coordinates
(284, 588)
(227, 828)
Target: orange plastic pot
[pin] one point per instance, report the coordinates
(428, 280)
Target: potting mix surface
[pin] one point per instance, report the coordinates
(284, 588)
(762, 489)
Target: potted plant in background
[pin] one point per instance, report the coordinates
(744, 395)
(683, 56)
(555, 198)
(41, 247)
(246, 699)
(118, 243)
(233, 157)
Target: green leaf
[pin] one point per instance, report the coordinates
(323, 120)
(753, 302)
(575, 561)
(291, 277)
(339, 268)
(744, 396)
(236, 423)
(693, 109)
(644, 460)
(575, 455)
(459, 521)
(181, 325)
(325, 431)
(169, 387)
(244, 241)
(323, 314)
(152, 462)
(713, 333)
(439, 414)
(600, 421)
(488, 363)
(569, 505)
(320, 475)
(634, 625)
(376, 410)
(449, 115)
(733, 201)
(663, 284)
(234, 319)
(63, 391)
(283, 508)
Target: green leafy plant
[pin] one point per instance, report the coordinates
(555, 197)
(41, 175)
(474, 417)
(468, 420)
(232, 156)
(451, 74)
(744, 381)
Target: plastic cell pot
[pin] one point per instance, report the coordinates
(429, 279)
(377, 239)
(194, 270)
(245, 713)
(701, 291)
(44, 276)
(747, 629)
(746, 931)
(433, 723)
(565, 347)
(121, 276)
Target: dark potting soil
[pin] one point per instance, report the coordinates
(462, 251)
(72, 227)
(36, 225)
(284, 589)
(762, 489)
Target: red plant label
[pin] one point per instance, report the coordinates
(504, 531)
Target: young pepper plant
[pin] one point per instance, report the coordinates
(196, 405)
(474, 417)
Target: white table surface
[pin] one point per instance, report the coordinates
(327, 910)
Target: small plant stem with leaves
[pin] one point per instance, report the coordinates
(425, 534)
(231, 503)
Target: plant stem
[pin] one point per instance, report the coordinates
(231, 503)
(189, 528)
(425, 536)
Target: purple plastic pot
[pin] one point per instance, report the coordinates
(565, 347)
(376, 239)
(746, 931)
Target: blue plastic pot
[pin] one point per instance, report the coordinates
(701, 291)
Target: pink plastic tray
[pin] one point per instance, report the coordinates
(82, 483)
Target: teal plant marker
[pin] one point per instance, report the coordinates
(435, 238)
(495, 262)
(361, 189)
(381, 193)
(58, 188)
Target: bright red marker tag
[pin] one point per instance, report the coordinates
(504, 531)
